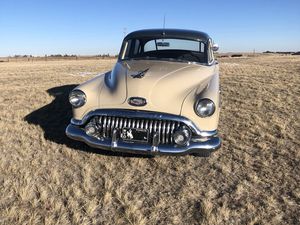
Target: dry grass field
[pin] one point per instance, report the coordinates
(254, 178)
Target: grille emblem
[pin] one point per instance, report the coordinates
(137, 101)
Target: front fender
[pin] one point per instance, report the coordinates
(210, 91)
(91, 89)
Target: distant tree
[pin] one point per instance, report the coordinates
(57, 55)
(236, 55)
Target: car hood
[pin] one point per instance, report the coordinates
(163, 84)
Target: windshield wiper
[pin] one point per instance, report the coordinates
(174, 60)
(180, 60)
(144, 57)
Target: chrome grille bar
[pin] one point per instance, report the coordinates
(164, 129)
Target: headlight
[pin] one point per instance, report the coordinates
(77, 98)
(205, 107)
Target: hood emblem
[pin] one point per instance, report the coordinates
(139, 74)
(137, 101)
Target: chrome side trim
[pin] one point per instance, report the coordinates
(144, 114)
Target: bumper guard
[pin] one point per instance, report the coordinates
(209, 144)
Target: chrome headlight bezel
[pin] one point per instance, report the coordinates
(77, 98)
(202, 104)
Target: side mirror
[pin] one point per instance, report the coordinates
(215, 47)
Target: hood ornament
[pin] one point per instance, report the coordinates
(139, 74)
(137, 101)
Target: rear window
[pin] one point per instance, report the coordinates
(173, 44)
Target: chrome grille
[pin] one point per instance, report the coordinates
(165, 128)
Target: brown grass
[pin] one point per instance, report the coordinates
(253, 179)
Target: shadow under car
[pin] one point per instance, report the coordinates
(55, 117)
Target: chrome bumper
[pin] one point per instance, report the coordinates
(209, 144)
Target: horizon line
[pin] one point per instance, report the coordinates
(114, 55)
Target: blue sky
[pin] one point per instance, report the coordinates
(93, 27)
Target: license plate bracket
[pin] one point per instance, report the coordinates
(135, 135)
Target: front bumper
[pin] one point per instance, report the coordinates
(206, 145)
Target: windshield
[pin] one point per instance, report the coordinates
(170, 49)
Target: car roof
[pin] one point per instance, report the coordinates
(168, 33)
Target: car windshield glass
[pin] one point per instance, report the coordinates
(171, 49)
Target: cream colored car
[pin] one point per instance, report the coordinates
(161, 97)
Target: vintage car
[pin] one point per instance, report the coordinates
(161, 97)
